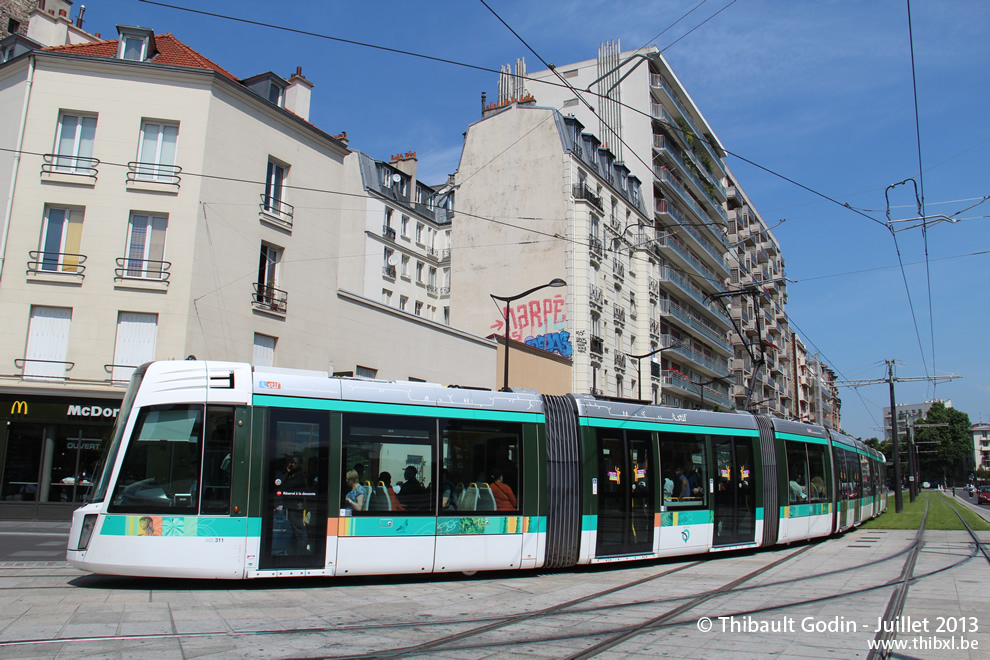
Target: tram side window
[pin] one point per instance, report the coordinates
(217, 456)
(867, 484)
(160, 472)
(388, 465)
(818, 490)
(684, 471)
(480, 467)
(847, 487)
(797, 472)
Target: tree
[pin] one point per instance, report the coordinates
(945, 453)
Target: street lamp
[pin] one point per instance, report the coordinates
(556, 282)
(639, 369)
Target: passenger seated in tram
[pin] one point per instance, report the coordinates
(817, 487)
(796, 488)
(356, 496)
(682, 487)
(505, 499)
(694, 481)
(448, 492)
(386, 478)
(413, 494)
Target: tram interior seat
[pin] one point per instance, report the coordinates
(486, 501)
(379, 499)
(368, 490)
(469, 499)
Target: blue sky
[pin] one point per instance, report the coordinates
(820, 92)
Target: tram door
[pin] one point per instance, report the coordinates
(624, 492)
(294, 519)
(735, 492)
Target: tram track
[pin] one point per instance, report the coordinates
(471, 639)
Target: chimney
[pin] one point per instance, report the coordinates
(406, 163)
(79, 17)
(297, 95)
(484, 100)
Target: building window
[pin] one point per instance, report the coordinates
(137, 335)
(419, 271)
(146, 246)
(419, 308)
(405, 266)
(433, 278)
(388, 217)
(74, 143)
(268, 275)
(275, 188)
(365, 372)
(60, 239)
(156, 159)
(419, 233)
(403, 302)
(446, 315)
(386, 297)
(264, 350)
(405, 226)
(47, 343)
(276, 94)
(133, 47)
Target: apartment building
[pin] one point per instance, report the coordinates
(396, 242)
(980, 433)
(907, 415)
(541, 199)
(646, 118)
(159, 207)
(762, 360)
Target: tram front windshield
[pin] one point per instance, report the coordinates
(101, 475)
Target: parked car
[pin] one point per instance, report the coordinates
(984, 497)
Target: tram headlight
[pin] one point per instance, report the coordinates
(88, 525)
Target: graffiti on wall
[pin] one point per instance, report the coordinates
(541, 323)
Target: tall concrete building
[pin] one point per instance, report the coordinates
(641, 112)
(762, 362)
(159, 207)
(907, 415)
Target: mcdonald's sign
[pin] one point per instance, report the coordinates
(19, 407)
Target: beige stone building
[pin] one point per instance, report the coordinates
(158, 207)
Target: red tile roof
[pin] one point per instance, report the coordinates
(171, 52)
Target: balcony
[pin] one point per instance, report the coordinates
(717, 365)
(620, 360)
(596, 295)
(654, 328)
(690, 169)
(681, 250)
(618, 314)
(618, 269)
(72, 168)
(660, 113)
(276, 211)
(388, 233)
(388, 270)
(166, 176)
(596, 247)
(663, 207)
(597, 346)
(654, 285)
(142, 269)
(269, 299)
(696, 324)
(667, 178)
(56, 263)
(582, 191)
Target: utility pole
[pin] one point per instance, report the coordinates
(895, 449)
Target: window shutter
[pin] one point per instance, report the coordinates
(136, 338)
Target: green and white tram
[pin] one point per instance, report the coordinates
(224, 470)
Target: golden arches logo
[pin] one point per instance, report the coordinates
(21, 407)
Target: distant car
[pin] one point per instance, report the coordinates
(971, 489)
(984, 497)
(925, 484)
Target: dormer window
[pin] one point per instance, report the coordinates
(276, 94)
(136, 43)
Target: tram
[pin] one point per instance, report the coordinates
(223, 470)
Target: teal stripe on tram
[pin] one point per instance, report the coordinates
(675, 518)
(335, 405)
(646, 425)
(589, 523)
(192, 526)
(805, 510)
(802, 438)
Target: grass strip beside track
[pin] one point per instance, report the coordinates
(940, 516)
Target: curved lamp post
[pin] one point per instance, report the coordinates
(556, 282)
(639, 369)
